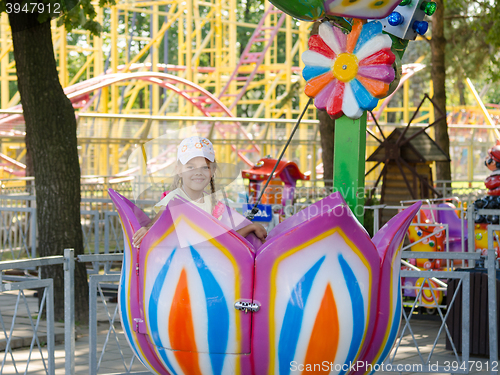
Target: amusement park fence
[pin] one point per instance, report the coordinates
(47, 305)
(104, 276)
(93, 187)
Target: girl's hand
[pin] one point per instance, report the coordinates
(138, 236)
(260, 232)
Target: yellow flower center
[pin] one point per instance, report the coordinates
(345, 67)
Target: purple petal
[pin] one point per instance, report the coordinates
(341, 38)
(322, 99)
(384, 73)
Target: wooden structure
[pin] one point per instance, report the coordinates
(407, 172)
(407, 154)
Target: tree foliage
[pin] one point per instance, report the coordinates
(70, 13)
(472, 33)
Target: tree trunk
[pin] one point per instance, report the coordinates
(326, 131)
(51, 141)
(438, 74)
(461, 91)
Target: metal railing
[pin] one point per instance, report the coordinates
(464, 277)
(18, 226)
(114, 336)
(47, 303)
(466, 190)
(17, 232)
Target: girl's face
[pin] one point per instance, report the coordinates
(195, 173)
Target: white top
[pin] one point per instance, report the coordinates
(205, 206)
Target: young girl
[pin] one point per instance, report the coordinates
(195, 169)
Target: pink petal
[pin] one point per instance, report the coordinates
(384, 73)
(341, 38)
(321, 99)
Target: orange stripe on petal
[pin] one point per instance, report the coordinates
(316, 84)
(181, 330)
(352, 38)
(325, 336)
(378, 89)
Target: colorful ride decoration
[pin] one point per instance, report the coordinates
(347, 74)
(489, 202)
(492, 162)
(429, 242)
(481, 239)
(421, 235)
(422, 238)
(281, 188)
(431, 296)
(432, 237)
(315, 10)
(319, 289)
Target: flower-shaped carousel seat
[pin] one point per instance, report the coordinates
(325, 290)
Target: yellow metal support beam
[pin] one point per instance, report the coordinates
(63, 63)
(6, 46)
(82, 70)
(156, 39)
(483, 108)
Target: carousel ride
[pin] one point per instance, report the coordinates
(441, 226)
(198, 298)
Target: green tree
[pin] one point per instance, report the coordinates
(472, 40)
(51, 133)
(465, 43)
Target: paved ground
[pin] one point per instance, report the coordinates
(117, 356)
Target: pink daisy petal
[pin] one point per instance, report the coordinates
(327, 34)
(321, 101)
(341, 38)
(384, 73)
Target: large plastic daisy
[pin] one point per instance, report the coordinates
(347, 74)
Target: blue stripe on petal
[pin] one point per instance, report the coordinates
(292, 320)
(395, 326)
(123, 309)
(153, 310)
(357, 311)
(369, 30)
(218, 314)
(314, 71)
(364, 98)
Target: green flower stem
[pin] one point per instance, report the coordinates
(349, 155)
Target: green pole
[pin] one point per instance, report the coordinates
(349, 152)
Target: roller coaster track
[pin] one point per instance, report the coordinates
(80, 96)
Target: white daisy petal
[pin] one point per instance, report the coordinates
(350, 105)
(313, 58)
(326, 33)
(376, 44)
